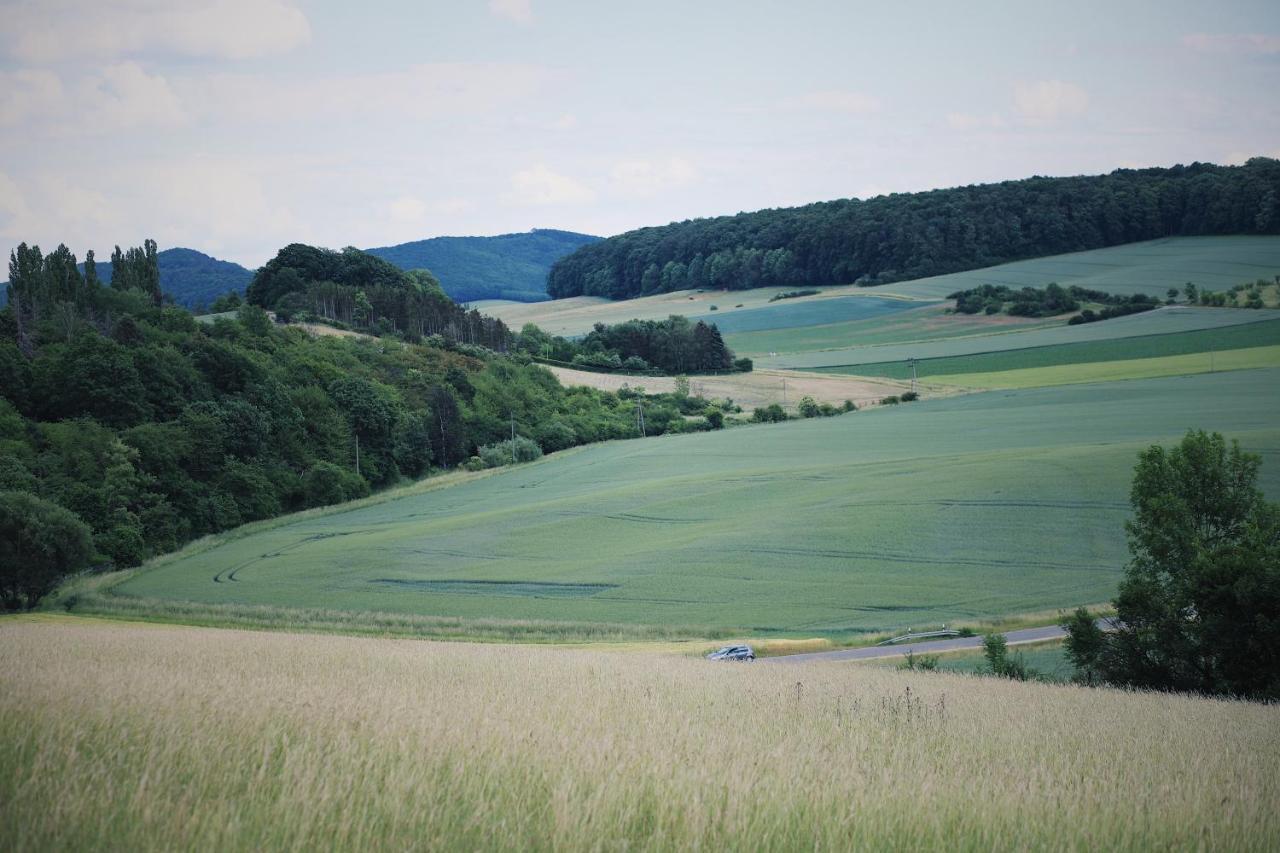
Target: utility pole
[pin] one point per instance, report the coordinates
(911, 361)
(640, 418)
(784, 392)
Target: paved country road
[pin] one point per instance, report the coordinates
(1026, 635)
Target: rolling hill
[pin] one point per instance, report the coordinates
(508, 266)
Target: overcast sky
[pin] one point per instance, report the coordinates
(238, 126)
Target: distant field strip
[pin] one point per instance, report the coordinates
(1111, 371)
(790, 314)
(922, 323)
(1158, 322)
(1261, 334)
(959, 508)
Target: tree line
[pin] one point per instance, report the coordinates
(913, 235)
(671, 346)
(128, 428)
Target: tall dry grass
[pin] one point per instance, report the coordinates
(146, 737)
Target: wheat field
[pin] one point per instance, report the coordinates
(148, 737)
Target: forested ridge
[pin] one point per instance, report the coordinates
(914, 235)
(127, 427)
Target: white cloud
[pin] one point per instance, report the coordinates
(29, 93)
(115, 97)
(1049, 100)
(648, 178)
(520, 11)
(14, 212)
(541, 186)
(839, 101)
(40, 31)
(124, 95)
(407, 210)
(1232, 44)
(420, 91)
(967, 121)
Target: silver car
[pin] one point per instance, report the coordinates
(733, 653)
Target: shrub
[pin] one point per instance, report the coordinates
(743, 365)
(890, 401)
(497, 455)
(849, 406)
(923, 663)
(715, 417)
(808, 407)
(910, 397)
(771, 413)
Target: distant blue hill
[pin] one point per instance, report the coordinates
(509, 266)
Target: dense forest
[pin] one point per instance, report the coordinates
(904, 236)
(508, 266)
(670, 346)
(127, 427)
(360, 290)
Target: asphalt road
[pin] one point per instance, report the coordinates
(1026, 635)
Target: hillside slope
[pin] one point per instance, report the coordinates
(948, 509)
(508, 266)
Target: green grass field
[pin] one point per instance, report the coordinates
(951, 509)
(1244, 336)
(1049, 660)
(1162, 321)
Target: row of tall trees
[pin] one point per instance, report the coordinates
(901, 236)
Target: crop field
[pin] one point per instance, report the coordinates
(1161, 321)
(1211, 263)
(923, 322)
(967, 507)
(1244, 336)
(144, 737)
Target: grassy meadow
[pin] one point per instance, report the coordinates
(946, 510)
(131, 737)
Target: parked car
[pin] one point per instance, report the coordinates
(733, 653)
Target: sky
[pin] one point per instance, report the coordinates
(238, 126)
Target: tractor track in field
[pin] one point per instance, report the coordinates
(231, 575)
